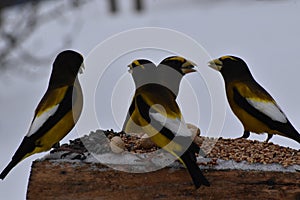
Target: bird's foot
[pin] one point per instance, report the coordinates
(71, 153)
(269, 137)
(74, 155)
(245, 135)
(56, 145)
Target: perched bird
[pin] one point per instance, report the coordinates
(170, 72)
(250, 102)
(155, 111)
(145, 73)
(172, 69)
(57, 112)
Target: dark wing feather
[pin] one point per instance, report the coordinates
(285, 128)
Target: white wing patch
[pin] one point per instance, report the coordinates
(40, 120)
(270, 109)
(177, 126)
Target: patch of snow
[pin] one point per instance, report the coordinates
(146, 162)
(246, 166)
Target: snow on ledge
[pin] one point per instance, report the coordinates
(139, 163)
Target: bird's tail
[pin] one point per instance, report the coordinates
(7, 169)
(292, 133)
(296, 136)
(189, 159)
(24, 150)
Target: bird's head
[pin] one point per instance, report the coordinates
(65, 69)
(143, 72)
(230, 66)
(140, 64)
(179, 64)
(69, 62)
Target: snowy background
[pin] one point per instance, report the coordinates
(264, 33)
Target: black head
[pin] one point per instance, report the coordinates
(231, 67)
(172, 69)
(68, 61)
(143, 72)
(141, 64)
(66, 66)
(179, 64)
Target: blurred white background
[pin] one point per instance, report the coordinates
(264, 33)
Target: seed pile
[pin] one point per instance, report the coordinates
(226, 149)
(251, 151)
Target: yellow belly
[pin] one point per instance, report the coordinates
(249, 122)
(63, 127)
(55, 134)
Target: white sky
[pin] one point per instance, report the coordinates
(264, 33)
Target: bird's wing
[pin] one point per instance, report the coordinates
(53, 106)
(39, 120)
(163, 113)
(132, 120)
(160, 134)
(258, 103)
(175, 125)
(271, 109)
(161, 100)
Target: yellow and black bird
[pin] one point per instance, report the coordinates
(155, 111)
(145, 73)
(57, 112)
(250, 102)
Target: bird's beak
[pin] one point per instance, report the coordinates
(216, 64)
(135, 64)
(130, 70)
(81, 68)
(188, 67)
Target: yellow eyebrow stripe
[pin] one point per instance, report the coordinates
(180, 59)
(136, 62)
(225, 57)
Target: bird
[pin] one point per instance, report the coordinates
(168, 73)
(155, 111)
(250, 102)
(145, 73)
(57, 112)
